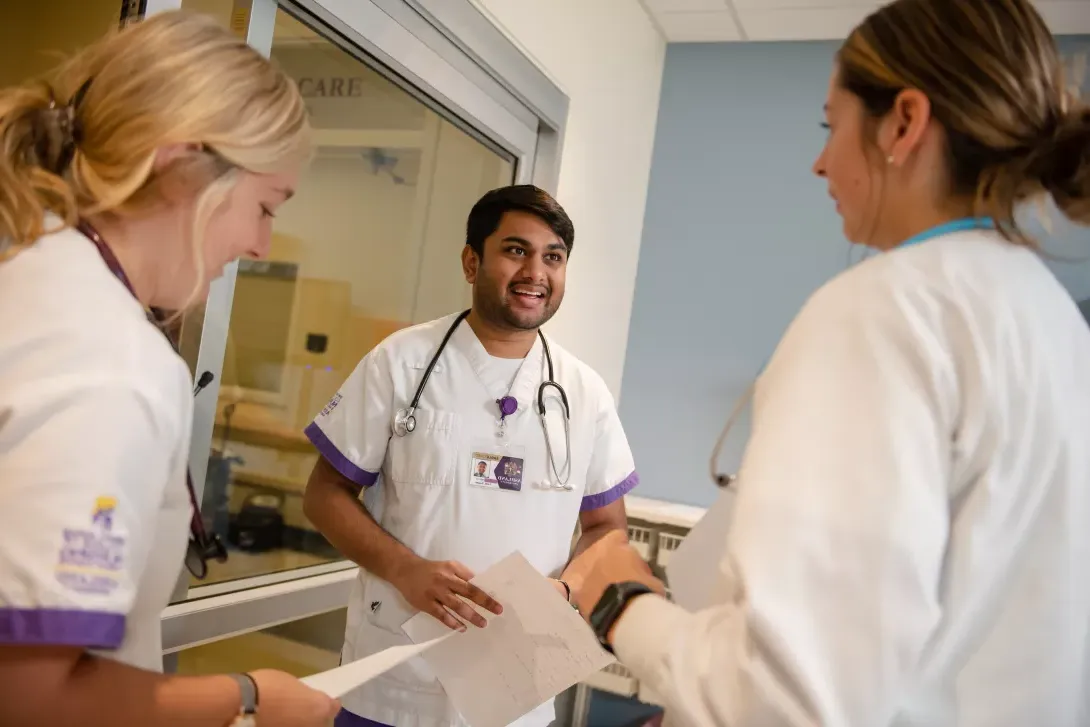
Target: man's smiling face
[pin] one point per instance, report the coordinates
(519, 282)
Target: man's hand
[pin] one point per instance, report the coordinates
(442, 589)
(609, 560)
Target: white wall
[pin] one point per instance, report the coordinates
(608, 57)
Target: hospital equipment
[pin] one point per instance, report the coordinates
(723, 480)
(405, 419)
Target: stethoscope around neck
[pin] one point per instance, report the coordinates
(405, 419)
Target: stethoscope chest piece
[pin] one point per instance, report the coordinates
(404, 422)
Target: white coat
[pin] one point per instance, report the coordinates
(419, 486)
(95, 412)
(909, 542)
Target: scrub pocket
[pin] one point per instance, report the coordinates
(385, 606)
(429, 454)
(386, 610)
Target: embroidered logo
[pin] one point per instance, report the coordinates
(103, 514)
(328, 408)
(91, 558)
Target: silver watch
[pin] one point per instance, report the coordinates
(248, 707)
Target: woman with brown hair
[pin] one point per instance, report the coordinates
(910, 534)
(157, 157)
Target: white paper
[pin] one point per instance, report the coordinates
(694, 571)
(538, 647)
(343, 679)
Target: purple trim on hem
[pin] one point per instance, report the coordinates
(347, 719)
(342, 464)
(622, 488)
(61, 627)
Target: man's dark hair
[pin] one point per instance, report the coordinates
(485, 216)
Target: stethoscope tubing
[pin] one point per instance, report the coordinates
(405, 423)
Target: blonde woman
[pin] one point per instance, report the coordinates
(910, 534)
(157, 157)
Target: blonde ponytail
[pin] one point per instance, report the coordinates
(34, 146)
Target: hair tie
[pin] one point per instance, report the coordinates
(66, 131)
(73, 106)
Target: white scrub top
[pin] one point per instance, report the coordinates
(421, 485)
(95, 411)
(910, 537)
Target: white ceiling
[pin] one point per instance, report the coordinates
(695, 21)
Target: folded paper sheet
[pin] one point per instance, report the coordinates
(345, 678)
(538, 647)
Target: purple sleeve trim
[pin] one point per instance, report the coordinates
(60, 627)
(329, 451)
(622, 488)
(348, 719)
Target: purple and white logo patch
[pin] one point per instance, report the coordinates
(91, 559)
(328, 408)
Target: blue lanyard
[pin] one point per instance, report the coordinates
(965, 223)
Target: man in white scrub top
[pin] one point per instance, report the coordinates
(430, 519)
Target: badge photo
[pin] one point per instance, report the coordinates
(496, 468)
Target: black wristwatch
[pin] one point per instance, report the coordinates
(610, 607)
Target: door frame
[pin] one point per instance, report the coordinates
(450, 54)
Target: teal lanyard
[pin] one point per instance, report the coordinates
(966, 223)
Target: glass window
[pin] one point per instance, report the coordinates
(370, 244)
(301, 648)
(36, 36)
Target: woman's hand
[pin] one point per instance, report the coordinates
(610, 560)
(284, 701)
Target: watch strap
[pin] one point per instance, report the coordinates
(248, 689)
(610, 607)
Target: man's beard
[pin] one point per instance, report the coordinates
(494, 310)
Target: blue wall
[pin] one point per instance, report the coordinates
(738, 233)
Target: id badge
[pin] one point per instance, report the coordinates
(495, 466)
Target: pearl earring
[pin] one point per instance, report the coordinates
(889, 159)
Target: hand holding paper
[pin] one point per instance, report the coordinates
(536, 649)
(444, 590)
(286, 701)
